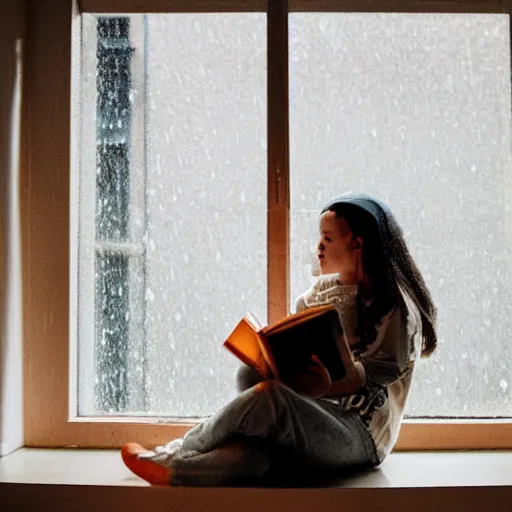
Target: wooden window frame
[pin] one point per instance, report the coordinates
(46, 158)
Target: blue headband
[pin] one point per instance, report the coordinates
(376, 208)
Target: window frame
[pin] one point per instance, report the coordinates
(49, 126)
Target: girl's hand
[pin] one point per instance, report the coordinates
(313, 381)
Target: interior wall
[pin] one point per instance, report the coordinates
(12, 14)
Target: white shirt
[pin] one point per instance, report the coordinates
(388, 361)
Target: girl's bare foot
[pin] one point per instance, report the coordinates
(152, 472)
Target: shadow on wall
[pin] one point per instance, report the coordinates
(12, 14)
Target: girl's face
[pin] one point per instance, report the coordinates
(337, 250)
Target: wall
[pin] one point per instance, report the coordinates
(12, 14)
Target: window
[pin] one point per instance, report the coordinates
(174, 251)
(415, 108)
(118, 262)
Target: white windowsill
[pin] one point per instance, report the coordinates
(97, 480)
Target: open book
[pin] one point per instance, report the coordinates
(283, 349)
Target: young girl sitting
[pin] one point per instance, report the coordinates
(271, 430)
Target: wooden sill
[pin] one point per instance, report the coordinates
(58, 480)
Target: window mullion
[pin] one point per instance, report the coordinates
(278, 160)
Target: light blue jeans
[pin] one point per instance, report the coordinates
(270, 434)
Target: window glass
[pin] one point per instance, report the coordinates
(415, 109)
(172, 246)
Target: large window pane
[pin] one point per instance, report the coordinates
(416, 110)
(172, 208)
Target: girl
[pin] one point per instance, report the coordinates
(271, 430)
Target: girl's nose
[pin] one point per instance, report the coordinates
(321, 246)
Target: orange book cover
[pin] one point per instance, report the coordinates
(284, 348)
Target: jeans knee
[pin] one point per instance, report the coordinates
(271, 388)
(246, 378)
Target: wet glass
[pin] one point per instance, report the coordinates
(172, 201)
(415, 109)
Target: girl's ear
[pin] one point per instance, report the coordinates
(357, 243)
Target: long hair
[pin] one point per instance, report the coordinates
(389, 266)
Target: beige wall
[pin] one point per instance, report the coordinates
(11, 38)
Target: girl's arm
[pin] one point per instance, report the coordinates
(354, 380)
(314, 381)
(391, 356)
(386, 363)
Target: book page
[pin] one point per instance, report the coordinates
(254, 320)
(244, 343)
